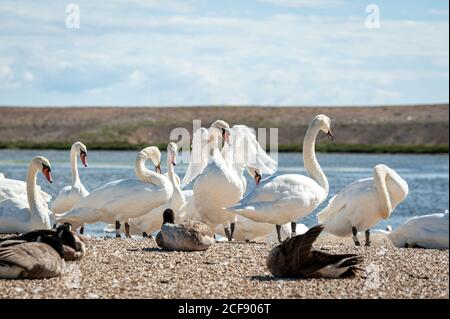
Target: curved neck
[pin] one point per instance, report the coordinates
(31, 188)
(171, 174)
(144, 174)
(383, 194)
(309, 158)
(74, 166)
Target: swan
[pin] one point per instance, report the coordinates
(31, 260)
(70, 195)
(222, 183)
(21, 215)
(187, 236)
(363, 203)
(119, 201)
(295, 257)
(12, 188)
(427, 231)
(285, 198)
(152, 221)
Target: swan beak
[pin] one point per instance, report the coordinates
(174, 160)
(47, 173)
(226, 136)
(330, 136)
(158, 169)
(257, 179)
(83, 157)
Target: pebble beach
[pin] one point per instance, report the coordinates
(137, 268)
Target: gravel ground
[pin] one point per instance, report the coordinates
(137, 268)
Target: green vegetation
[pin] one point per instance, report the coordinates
(327, 147)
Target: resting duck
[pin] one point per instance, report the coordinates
(31, 260)
(295, 257)
(73, 246)
(188, 236)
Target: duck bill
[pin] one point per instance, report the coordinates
(48, 175)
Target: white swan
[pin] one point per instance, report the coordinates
(12, 188)
(70, 195)
(363, 203)
(222, 182)
(151, 221)
(286, 198)
(19, 215)
(121, 200)
(427, 231)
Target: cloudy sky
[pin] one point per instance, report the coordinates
(233, 52)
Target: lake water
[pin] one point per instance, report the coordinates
(427, 175)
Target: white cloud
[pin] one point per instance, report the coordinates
(304, 3)
(441, 12)
(28, 76)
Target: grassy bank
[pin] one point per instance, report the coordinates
(326, 148)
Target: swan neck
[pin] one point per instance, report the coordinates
(144, 174)
(74, 167)
(31, 188)
(310, 162)
(171, 174)
(383, 193)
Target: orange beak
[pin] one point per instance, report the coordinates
(48, 175)
(257, 179)
(83, 157)
(158, 169)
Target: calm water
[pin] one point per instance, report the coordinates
(427, 175)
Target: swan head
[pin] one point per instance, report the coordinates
(42, 164)
(80, 149)
(323, 122)
(255, 173)
(172, 150)
(224, 128)
(152, 153)
(168, 216)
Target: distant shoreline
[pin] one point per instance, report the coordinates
(287, 148)
(411, 129)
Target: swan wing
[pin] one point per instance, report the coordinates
(245, 150)
(199, 156)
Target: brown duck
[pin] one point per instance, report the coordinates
(187, 236)
(295, 257)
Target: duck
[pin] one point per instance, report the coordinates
(297, 258)
(286, 198)
(73, 245)
(70, 195)
(363, 203)
(31, 260)
(21, 214)
(121, 200)
(425, 231)
(188, 236)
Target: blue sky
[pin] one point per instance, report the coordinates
(198, 52)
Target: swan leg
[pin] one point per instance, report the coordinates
(232, 226)
(127, 230)
(278, 227)
(355, 236)
(82, 230)
(293, 229)
(367, 238)
(117, 229)
(227, 233)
